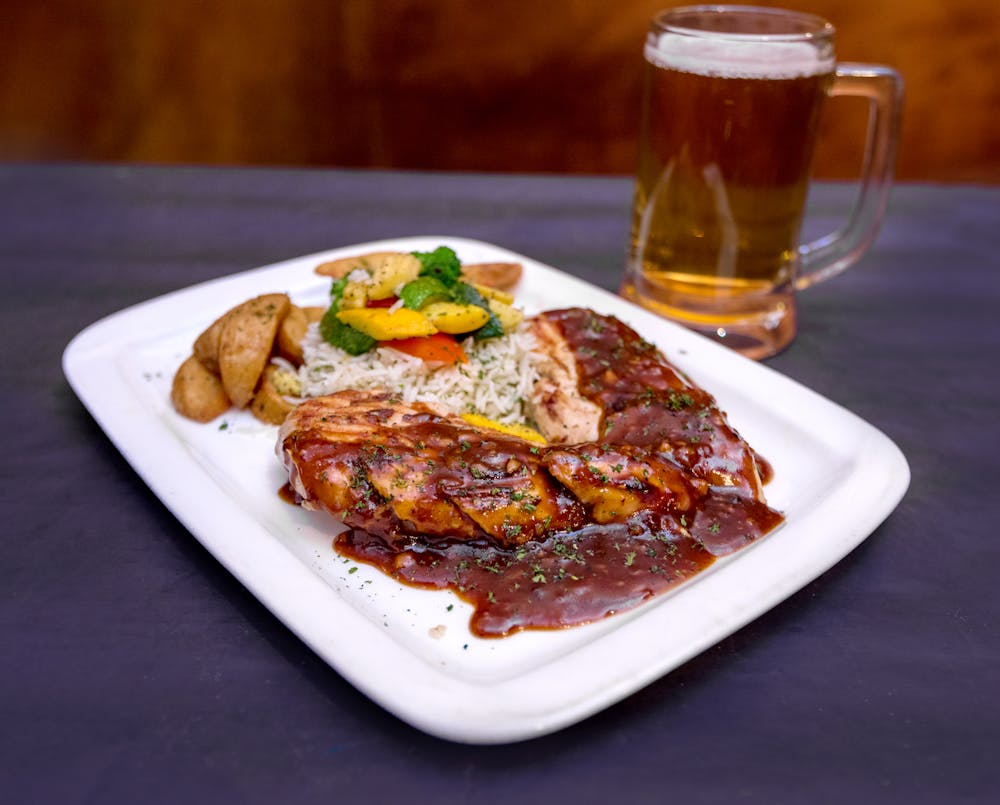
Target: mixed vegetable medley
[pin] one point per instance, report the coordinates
(417, 303)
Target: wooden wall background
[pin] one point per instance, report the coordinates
(502, 85)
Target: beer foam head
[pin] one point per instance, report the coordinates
(733, 57)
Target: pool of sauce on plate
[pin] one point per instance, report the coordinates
(564, 580)
(569, 578)
(585, 574)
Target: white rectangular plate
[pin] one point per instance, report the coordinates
(836, 479)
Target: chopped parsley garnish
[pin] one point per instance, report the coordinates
(677, 400)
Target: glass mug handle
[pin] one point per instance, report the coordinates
(829, 255)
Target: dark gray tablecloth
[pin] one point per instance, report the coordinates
(134, 668)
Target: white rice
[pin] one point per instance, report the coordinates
(494, 383)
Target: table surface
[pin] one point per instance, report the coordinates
(135, 668)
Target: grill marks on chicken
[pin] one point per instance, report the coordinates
(606, 383)
(401, 470)
(616, 482)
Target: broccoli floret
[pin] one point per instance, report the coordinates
(349, 339)
(422, 291)
(442, 264)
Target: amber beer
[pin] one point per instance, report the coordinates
(727, 138)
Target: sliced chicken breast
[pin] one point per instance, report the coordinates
(602, 382)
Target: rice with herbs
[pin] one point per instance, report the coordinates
(494, 383)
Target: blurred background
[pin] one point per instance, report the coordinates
(504, 85)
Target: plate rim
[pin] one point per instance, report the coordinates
(439, 704)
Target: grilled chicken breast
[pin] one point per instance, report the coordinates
(412, 472)
(601, 382)
(396, 469)
(643, 482)
(562, 414)
(402, 470)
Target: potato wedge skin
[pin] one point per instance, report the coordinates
(496, 275)
(268, 404)
(503, 276)
(197, 393)
(246, 343)
(206, 345)
(345, 265)
(291, 331)
(314, 313)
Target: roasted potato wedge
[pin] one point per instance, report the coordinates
(206, 345)
(293, 329)
(269, 404)
(197, 392)
(246, 343)
(495, 275)
(314, 313)
(290, 334)
(345, 265)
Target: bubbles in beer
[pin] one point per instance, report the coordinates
(736, 58)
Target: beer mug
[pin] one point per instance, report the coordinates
(731, 104)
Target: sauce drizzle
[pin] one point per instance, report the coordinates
(573, 554)
(565, 580)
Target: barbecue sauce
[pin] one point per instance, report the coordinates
(572, 577)
(564, 580)
(645, 400)
(572, 570)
